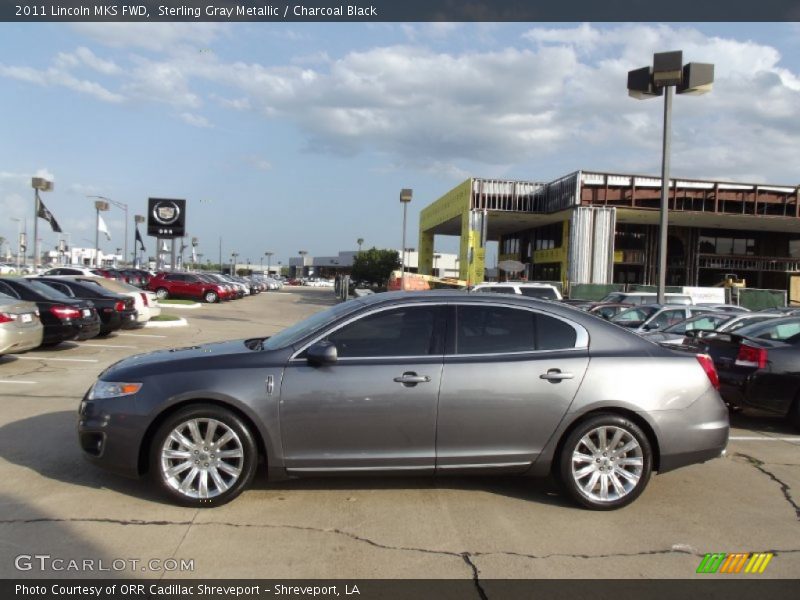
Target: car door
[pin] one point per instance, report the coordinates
(375, 408)
(509, 377)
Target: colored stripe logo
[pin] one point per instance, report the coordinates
(746, 562)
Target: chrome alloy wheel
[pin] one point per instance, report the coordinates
(201, 458)
(607, 464)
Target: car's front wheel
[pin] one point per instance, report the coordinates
(203, 456)
(605, 462)
(162, 293)
(211, 297)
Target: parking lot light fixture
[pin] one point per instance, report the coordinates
(667, 72)
(269, 258)
(99, 205)
(405, 198)
(302, 254)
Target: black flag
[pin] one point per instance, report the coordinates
(139, 239)
(48, 216)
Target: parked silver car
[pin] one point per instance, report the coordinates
(433, 383)
(20, 326)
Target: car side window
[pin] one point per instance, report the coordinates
(501, 289)
(499, 330)
(8, 290)
(407, 331)
(541, 293)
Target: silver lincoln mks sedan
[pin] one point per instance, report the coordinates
(414, 383)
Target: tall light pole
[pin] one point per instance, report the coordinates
(405, 198)
(269, 258)
(99, 205)
(39, 184)
(138, 220)
(124, 207)
(233, 262)
(19, 239)
(668, 71)
(359, 241)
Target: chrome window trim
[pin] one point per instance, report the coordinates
(581, 335)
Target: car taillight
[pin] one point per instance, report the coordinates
(144, 299)
(119, 306)
(7, 317)
(65, 312)
(711, 371)
(750, 356)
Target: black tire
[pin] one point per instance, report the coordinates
(215, 467)
(577, 477)
(162, 294)
(211, 297)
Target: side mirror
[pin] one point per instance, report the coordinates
(322, 353)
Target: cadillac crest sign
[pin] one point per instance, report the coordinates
(166, 217)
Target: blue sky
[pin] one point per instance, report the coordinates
(289, 137)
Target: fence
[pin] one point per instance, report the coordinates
(593, 291)
(757, 299)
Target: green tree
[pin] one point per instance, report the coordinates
(375, 265)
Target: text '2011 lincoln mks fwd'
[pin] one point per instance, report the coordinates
(414, 383)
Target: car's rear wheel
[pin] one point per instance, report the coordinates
(162, 293)
(203, 456)
(605, 462)
(211, 297)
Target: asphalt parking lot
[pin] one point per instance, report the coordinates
(54, 503)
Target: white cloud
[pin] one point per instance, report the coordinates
(259, 163)
(194, 120)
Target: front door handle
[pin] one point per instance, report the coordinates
(555, 375)
(410, 378)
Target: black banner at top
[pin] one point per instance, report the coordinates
(277, 11)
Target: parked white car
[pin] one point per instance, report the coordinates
(533, 289)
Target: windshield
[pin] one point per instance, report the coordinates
(613, 297)
(739, 322)
(293, 334)
(634, 315)
(704, 322)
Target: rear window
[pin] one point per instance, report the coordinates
(542, 293)
(500, 330)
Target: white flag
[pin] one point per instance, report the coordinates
(101, 227)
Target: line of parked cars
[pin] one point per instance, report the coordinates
(209, 287)
(47, 310)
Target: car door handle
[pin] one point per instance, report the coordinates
(412, 379)
(555, 375)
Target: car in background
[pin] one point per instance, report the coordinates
(21, 328)
(71, 270)
(186, 285)
(608, 310)
(730, 308)
(116, 311)
(531, 289)
(692, 331)
(651, 317)
(63, 318)
(388, 383)
(634, 298)
(6, 269)
(145, 301)
(758, 366)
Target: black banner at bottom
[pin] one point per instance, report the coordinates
(394, 589)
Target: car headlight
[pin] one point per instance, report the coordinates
(111, 389)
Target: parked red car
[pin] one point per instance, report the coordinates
(186, 285)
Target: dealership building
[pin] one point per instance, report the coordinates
(591, 227)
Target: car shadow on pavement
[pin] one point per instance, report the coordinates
(766, 423)
(61, 458)
(57, 348)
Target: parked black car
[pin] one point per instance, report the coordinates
(64, 318)
(758, 366)
(116, 311)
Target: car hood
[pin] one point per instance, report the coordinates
(219, 355)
